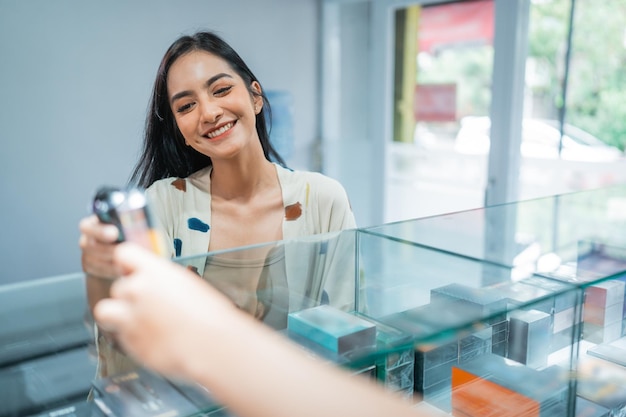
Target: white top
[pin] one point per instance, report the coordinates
(314, 204)
(183, 208)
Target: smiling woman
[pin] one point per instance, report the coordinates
(215, 181)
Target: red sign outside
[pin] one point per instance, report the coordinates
(435, 102)
(456, 24)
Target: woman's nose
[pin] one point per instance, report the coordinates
(211, 112)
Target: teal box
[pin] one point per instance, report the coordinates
(333, 329)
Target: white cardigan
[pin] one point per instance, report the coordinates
(183, 209)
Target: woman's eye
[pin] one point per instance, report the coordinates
(222, 91)
(184, 107)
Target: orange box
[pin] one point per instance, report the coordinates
(478, 397)
(493, 386)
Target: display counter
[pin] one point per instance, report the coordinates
(46, 362)
(576, 239)
(510, 310)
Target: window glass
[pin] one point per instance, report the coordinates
(442, 83)
(574, 109)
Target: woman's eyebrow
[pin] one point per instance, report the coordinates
(217, 77)
(208, 84)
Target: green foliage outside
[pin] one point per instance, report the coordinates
(596, 91)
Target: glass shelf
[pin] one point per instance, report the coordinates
(525, 233)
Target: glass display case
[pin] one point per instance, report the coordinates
(486, 339)
(511, 310)
(578, 239)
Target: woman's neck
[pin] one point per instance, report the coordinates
(242, 179)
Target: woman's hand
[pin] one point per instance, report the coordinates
(97, 242)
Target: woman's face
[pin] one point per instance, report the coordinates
(212, 106)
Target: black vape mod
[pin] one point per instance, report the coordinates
(127, 209)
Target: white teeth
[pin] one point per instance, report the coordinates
(220, 130)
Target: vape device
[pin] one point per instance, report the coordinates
(127, 209)
(105, 205)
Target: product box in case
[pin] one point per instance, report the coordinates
(476, 344)
(529, 337)
(394, 368)
(493, 385)
(476, 303)
(485, 301)
(334, 329)
(614, 351)
(433, 365)
(597, 260)
(603, 311)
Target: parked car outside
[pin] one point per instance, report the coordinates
(540, 139)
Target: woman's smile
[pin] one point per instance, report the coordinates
(220, 131)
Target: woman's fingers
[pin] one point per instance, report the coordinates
(99, 262)
(97, 244)
(93, 228)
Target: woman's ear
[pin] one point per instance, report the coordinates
(257, 98)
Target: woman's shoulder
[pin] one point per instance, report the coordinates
(313, 184)
(322, 197)
(313, 178)
(197, 180)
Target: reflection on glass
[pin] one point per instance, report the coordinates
(271, 280)
(255, 280)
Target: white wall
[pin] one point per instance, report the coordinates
(75, 78)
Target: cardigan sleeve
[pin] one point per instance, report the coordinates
(160, 210)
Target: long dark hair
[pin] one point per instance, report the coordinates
(164, 151)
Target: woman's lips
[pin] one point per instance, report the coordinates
(220, 131)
